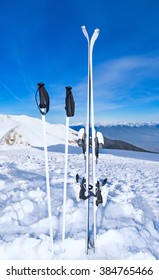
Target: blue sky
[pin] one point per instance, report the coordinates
(42, 41)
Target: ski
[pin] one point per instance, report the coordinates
(43, 102)
(87, 139)
(70, 110)
(90, 107)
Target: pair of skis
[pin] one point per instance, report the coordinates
(88, 138)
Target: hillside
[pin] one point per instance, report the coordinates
(28, 131)
(121, 145)
(142, 135)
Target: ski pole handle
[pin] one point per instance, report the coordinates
(69, 102)
(41, 93)
(44, 99)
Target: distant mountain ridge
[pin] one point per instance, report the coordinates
(142, 135)
(121, 145)
(27, 131)
(129, 124)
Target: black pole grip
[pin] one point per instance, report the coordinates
(43, 98)
(42, 104)
(69, 102)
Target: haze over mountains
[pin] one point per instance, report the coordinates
(142, 135)
(28, 131)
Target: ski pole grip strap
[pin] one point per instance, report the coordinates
(43, 99)
(69, 102)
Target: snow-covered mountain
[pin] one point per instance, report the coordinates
(131, 124)
(143, 135)
(28, 131)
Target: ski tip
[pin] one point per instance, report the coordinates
(83, 27)
(97, 30)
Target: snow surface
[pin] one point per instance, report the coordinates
(127, 225)
(144, 135)
(127, 222)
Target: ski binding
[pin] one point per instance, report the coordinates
(98, 192)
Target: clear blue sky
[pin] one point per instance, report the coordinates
(42, 41)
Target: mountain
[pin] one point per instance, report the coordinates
(143, 135)
(28, 131)
(130, 124)
(121, 145)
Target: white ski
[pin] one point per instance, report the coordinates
(90, 123)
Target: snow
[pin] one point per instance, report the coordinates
(127, 225)
(130, 124)
(143, 135)
(127, 222)
(28, 131)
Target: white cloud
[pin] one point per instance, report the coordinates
(122, 78)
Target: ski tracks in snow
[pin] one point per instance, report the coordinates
(127, 225)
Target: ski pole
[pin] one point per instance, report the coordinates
(44, 108)
(70, 109)
(65, 179)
